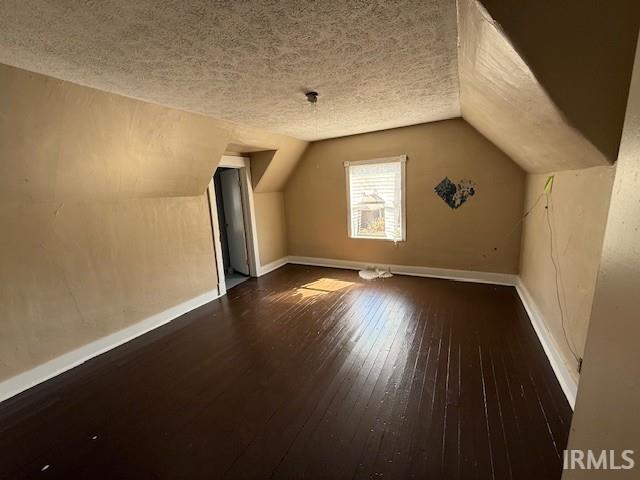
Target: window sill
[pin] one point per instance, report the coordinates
(384, 239)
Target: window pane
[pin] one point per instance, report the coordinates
(376, 200)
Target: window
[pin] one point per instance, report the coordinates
(376, 198)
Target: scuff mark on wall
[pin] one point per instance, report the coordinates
(454, 194)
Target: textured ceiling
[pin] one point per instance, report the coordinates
(376, 64)
(502, 98)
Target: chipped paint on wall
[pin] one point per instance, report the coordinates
(455, 194)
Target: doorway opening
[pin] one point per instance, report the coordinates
(233, 222)
(233, 237)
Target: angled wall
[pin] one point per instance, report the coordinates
(103, 214)
(581, 53)
(272, 168)
(546, 82)
(606, 415)
(502, 98)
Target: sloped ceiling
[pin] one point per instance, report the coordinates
(377, 64)
(581, 53)
(502, 98)
(62, 142)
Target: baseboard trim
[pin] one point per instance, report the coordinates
(52, 368)
(558, 363)
(444, 273)
(270, 267)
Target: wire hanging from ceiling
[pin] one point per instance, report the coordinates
(312, 98)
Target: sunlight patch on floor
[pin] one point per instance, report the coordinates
(322, 286)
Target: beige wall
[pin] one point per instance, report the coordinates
(61, 141)
(579, 203)
(271, 225)
(606, 415)
(437, 236)
(73, 272)
(68, 141)
(103, 215)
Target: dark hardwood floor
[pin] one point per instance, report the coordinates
(397, 378)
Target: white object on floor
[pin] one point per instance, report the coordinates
(373, 273)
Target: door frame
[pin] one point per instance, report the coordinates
(248, 210)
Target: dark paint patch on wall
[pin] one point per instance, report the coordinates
(454, 194)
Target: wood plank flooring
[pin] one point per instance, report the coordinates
(307, 373)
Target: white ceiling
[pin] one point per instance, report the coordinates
(376, 64)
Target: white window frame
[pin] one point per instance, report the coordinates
(402, 159)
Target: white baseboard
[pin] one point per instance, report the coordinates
(560, 366)
(58, 365)
(270, 267)
(45, 371)
(445, 273)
